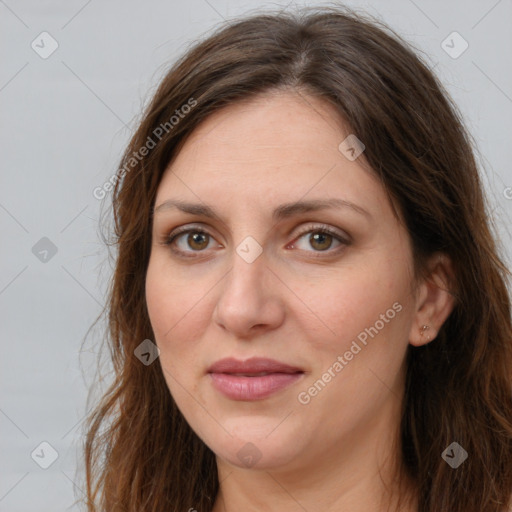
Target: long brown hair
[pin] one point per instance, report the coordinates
(140, 453)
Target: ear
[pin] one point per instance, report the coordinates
(434, 301)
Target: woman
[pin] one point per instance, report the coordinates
(308, 310)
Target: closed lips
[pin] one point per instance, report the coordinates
(253, 367)
(259, 374)
(253, 379)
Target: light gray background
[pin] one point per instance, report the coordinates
(64, 122)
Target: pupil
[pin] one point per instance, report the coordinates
(318, 237)
(196, 239)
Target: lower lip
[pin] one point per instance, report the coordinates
(252, 388)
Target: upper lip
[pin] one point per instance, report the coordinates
(252, 365)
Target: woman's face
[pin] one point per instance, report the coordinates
(255, 276)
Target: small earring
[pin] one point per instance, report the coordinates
(423, 329)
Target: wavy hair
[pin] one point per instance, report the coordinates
(140, 454)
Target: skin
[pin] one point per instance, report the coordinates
(295, 303)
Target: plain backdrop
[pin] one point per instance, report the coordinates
(65, 119)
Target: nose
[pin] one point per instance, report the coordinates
(249, 301)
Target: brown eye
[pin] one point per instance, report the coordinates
(321, 241)
(197, 240)
(318, 239)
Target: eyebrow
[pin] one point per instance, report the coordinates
(281, 212)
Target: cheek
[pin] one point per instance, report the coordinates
(177, 316)
(363, 317)
(176, 310)
(339, 309)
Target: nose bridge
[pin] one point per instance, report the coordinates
(246, 299)
(247, 274)
(248, 258)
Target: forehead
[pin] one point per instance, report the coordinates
(281, 145)
(291, 124)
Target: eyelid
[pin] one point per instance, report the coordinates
(319, 227)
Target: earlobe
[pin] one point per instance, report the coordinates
(434, 301)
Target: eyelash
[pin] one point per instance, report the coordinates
(323, 229)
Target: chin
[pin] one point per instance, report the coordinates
(253, 448)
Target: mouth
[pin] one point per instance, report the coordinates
(252, 366)
(253, 379)
(259, 374)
